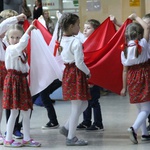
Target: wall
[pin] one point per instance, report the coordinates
(119, 8)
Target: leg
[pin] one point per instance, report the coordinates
(144, 110)
(49, 106)
(1, 109)
(26, 124)
(17, 127)
(87, 115)
(27, 141)
(94, 103)
(11, 124)
(76, 107)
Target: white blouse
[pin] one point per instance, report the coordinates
(131, 59)
(4, 25)
(12, 60)
(72, 52)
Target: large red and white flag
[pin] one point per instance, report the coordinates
(105, 63)
(44, 68)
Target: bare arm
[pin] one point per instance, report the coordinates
(143, 24)
(124, 79)
(115, 21)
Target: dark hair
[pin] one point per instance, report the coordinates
(134, 31)
(94, 23)
(64, 22)
(147, 16)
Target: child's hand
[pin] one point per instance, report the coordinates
(123, 92)
(132, 16)
(112, 18)
(88, 76)
(58, 14)
(21, 17)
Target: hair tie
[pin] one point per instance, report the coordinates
(57, 45)
(139, 48)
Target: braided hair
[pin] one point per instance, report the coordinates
(63, 24)
(134, 31)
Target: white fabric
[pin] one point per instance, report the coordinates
(4, 25)
(81, 37)
(44, 68)
(13, 52)
(131, 59)
(42, 21)
(73, 53)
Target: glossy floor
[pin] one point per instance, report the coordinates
(117, 113)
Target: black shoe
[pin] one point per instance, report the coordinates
(50, 126)
(53, 101)
(82, 126)
(145, 138)
(95, 128)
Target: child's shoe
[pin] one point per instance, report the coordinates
(76, 142)
(31, 143)
(12, 143)
(83, 126)
(95, 128)
(145, 138)
(1, 139)
(132, 135)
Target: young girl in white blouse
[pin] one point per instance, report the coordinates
(74, 82)
(16, 90)
(4, 25)
(136, 74)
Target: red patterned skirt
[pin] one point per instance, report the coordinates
(16, 93)
(3, 73)
(138, 80)
(74, 84)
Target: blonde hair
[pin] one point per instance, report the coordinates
(8, 13)
(14, 27)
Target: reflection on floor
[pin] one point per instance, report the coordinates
(117, 114)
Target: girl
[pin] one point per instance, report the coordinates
(136, 72)
(16, 91)
(74, 82)
(4, 25)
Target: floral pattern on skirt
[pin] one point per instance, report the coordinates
(16, 93)
(138, 80)
(74, 84)
(3, 73)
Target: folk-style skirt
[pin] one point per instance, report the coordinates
(16, 93)
(74, 84)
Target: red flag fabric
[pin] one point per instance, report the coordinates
(47, 36)
(105, 63)
(100, 36)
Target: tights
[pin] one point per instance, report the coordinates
(11, 123)
(140, 122)
(77, 108)
(1, 109)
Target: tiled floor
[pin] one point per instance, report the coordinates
(117, 113)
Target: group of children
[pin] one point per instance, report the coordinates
(15, 92)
